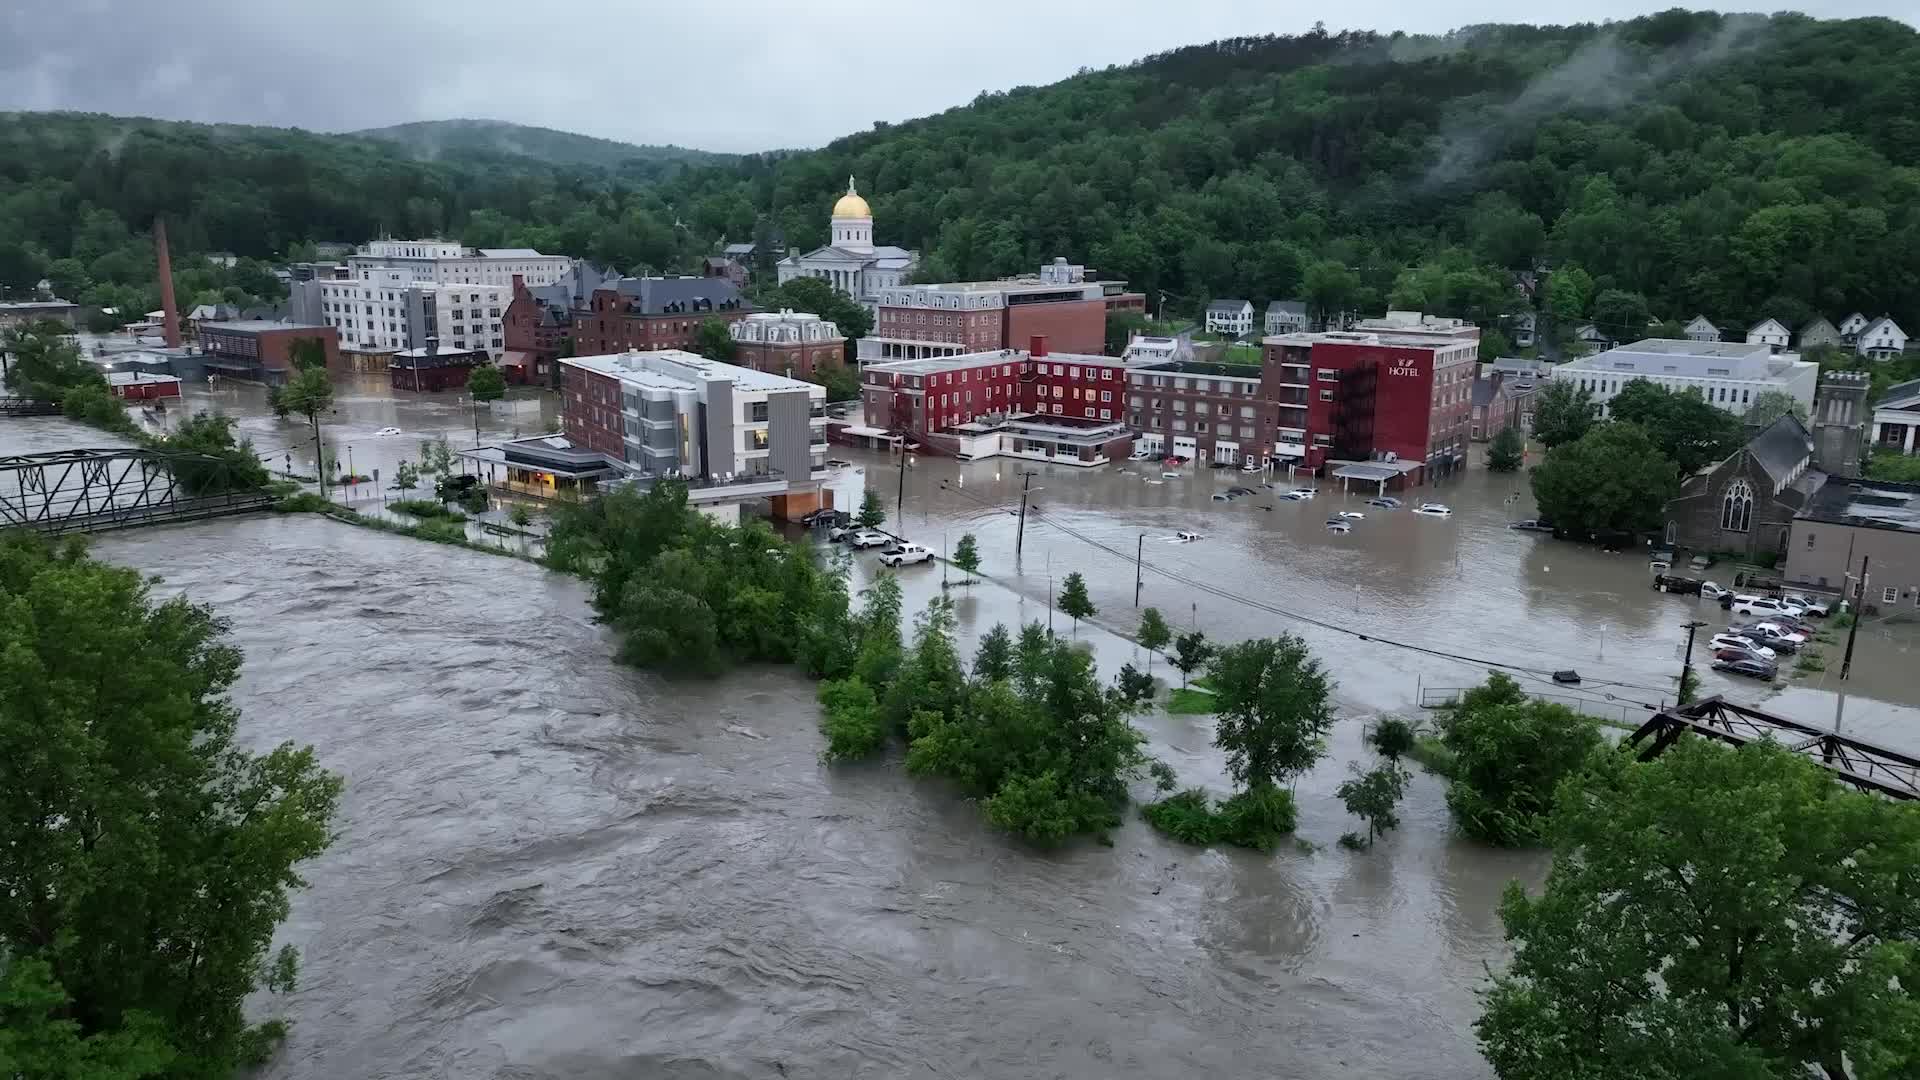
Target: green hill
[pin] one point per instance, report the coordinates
(1737, 166)
(432, 139)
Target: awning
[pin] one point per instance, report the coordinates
(516, 358)
(1375, 470)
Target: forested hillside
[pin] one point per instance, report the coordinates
(435, 139)
(1736, 165)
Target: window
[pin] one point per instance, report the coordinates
(1246, 431)
(1106, 373)
(1736, 507)
(1890, 594)
(1323, 440)
(1327, 374)
(1326, 395)
(1809, 540)
(1106, 395)
(1179, 424)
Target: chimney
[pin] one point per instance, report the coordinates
(172, 312)
(519, 284)
(1037, 346)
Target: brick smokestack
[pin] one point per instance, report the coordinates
(1037, 345)
(170, 311)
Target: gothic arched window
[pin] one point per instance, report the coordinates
(1736, 507)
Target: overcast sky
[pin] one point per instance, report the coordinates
(714, 74)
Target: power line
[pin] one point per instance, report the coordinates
(1211, 589)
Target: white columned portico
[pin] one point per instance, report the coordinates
(1911, 428)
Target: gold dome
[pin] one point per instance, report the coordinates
(851, 205)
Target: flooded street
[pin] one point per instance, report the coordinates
(551, 865)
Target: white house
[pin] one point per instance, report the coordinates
(1700, 329)
(1727, 373)
(1231, 317)
(1769, 332)
(1589, 334)
(1287, 317)
(1851, 326)
(1896, 419)
(1882, 339)
(1521, 328)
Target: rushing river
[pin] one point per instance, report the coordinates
(551, 865)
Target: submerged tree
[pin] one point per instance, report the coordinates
(1074, 601)
(966, 556)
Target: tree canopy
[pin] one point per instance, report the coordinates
(1714, 913)
(148, 855)
(1612, 479)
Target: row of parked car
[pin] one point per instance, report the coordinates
(841, 530)
(1754, 649)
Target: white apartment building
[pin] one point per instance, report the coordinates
(385, 308)
(1728, 373)
(447, 263)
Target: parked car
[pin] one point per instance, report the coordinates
(1223, 496)
(837, 463)
(1186, 537)
(1778, 642)
(1434, 510)
(1753, 669)
(901, 554)
(1301, 493)
(840, 532)
(1250, 467)
(1169, 476)
(1748, 604)
(1384, 502)
(1734, 641)
(1712, 591)
(1781, 628)
(1815, 606)
(1352, 515)
(387, 431)
(1673, 583)
(1239, 491)
(827, 517)
(1335, 525)
(1532, 525)
(866, 538)
(1139, 455)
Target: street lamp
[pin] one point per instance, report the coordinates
(350, 473)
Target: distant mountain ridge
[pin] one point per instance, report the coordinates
(433, 139)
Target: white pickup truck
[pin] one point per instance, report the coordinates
(905, 553)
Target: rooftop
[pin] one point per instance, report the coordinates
(691, 295)
(933, 365)
(1872, 504)
(677, 369)
(1668, 356)
(255, 326)
(1782, 447)
(514, 253)
(1202, 367)
(35, 305)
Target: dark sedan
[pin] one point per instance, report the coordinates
(1753, 669)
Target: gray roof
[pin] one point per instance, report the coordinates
(738, 249)
(1874, 504)
(1899, 393)
(513, 253)
(1287, 307)
(1781, 447)
(1875, 325)
(255, 326)
(1820, 324)
(1227, 305)
(653, 296)
(1483, 392)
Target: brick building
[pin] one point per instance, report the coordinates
(430, 368)
(1748, 500)
(538, 324)
(790, 343)
(653, 313)
(965, 317)
(1210, 412)
(258, 350)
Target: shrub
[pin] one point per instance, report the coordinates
(520, 515)
(1393, 736)
(1511, 752)
(304, 502)
(1353, 841)
(441, 531)
(1187, 817)
(852, 724)
(425, 508)
(1258, 817)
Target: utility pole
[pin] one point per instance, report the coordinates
(1138, 547)
(1020, 537)
(1686, 669)
(1846, 662)
(900, 499)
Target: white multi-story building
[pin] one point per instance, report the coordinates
(385, 308)
(1727, 373)
(447, 263)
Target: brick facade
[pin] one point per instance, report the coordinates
(796, 360)
(1212, 412)
(606, 326)
(266, 346)
(1070, 326)
(590, 415)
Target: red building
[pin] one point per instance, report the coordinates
(432, 368)
(536, 327)
(653, 313)
(964, 317)
(259, 350)
(142, 385)
(790, 343)
(937, 394)
(1377, 393)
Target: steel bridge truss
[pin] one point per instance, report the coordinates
(96, 490)
(1867, 766)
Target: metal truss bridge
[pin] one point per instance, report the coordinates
(1867, 766)
(76, 491)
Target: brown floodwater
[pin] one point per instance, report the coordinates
(552, 865)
